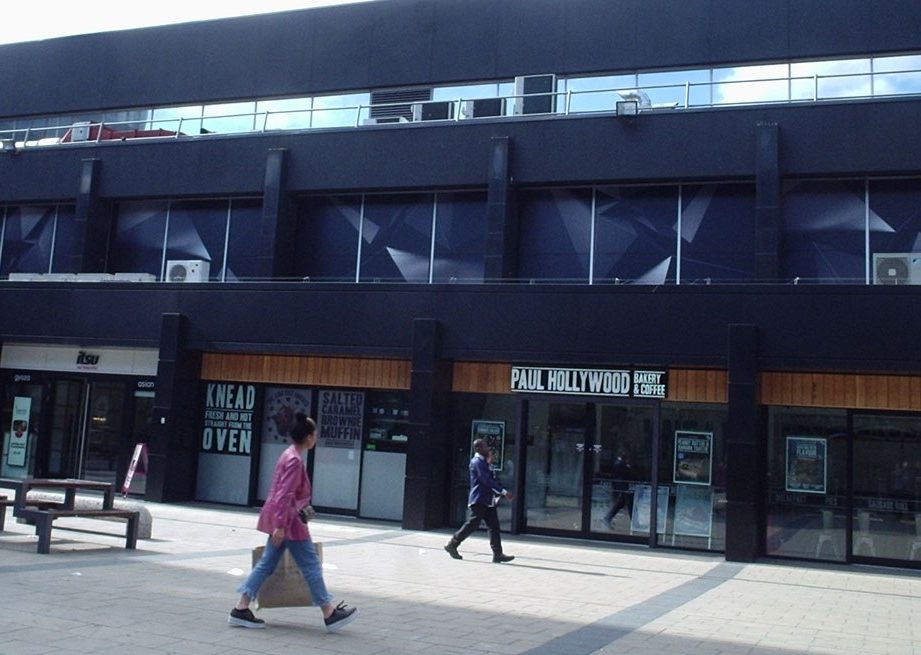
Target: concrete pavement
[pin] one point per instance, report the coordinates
(558, 597)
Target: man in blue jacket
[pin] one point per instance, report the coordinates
(485, 491)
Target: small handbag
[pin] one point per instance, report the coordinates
(306, 513)
(286, 586)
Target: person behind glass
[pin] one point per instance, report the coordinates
(622, 473)
(485, 491)
(289, 492)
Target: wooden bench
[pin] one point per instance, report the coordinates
(44, 518)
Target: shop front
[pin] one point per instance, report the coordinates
(72, 412)
(608, 454)
(358, 465)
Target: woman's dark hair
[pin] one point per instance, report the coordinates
(304, 426)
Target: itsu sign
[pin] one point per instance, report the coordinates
(619, 383)
(228, 422)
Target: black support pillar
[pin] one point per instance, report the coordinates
(745, 449)
(275, 254)
(768, 216)
(426, 489)
(173, 450)
(92, 221)
(501, 215)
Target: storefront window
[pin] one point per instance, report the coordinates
(475, 415)
(22, 409)
(887, 487)
(692, 464)
(807, 483)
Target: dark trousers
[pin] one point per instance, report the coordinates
(475, 514)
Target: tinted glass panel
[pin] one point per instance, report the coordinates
(895, 215)
(197, 231)
(327, 238)
(635, 234)
(137, 243)
(242, 255)
(460, 238)
(396, 238)
(823, 233)
(62, 261)
(717, 232)
(27, 239)
(555, 238)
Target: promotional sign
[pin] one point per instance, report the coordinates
(228, 421)
(642, 508)
(138, 465)
(693, 511)
(19, 431)
(693, 457)
(340, 419)
(493, 432)
(281, 404)
(806, 464)
(589, 381)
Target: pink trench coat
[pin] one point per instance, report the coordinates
(289, 492)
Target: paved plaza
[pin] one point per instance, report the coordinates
(173, 594)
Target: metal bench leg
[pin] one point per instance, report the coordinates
(131, 532)
(43, 530)
(2, 517)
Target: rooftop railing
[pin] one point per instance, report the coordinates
(573, 102)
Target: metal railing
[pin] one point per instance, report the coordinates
(648, 98)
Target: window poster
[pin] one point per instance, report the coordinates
(19, 431)
(340, 419)
(806, 464)
(281, 404)
(693, 511)
(494, 434)
(227, 426)
(642, 508)
(693, 457)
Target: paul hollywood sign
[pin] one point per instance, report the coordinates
(590, 381)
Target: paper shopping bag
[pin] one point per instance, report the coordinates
(286, 586)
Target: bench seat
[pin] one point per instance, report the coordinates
(44, 518)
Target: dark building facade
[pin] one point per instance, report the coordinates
(665, 256)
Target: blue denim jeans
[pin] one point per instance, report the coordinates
(304, 554)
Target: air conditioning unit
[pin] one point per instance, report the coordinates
(483, 107)
(25, 277)
(187, 270)
(80, 132)
(535, 94)
(58, 277)
(896, 268)
(433, 111)
(384, 120)
(135, 277)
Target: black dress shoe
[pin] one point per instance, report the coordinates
(452, 551)
(502, 559)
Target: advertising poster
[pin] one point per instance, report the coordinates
(340, 419)
(806, 464)
(19, 431)
(693, 511)
(642, 509)
(228, 422)
(494, 434)
(281, 404)
(693, 457)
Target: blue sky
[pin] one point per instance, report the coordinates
(45, 19)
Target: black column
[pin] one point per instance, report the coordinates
(501, 215)
(92, 221)
(275, 254)
(173, 452)
(768, 218)
(426, 489)
(745, 449)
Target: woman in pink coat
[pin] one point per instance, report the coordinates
(290, 491)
